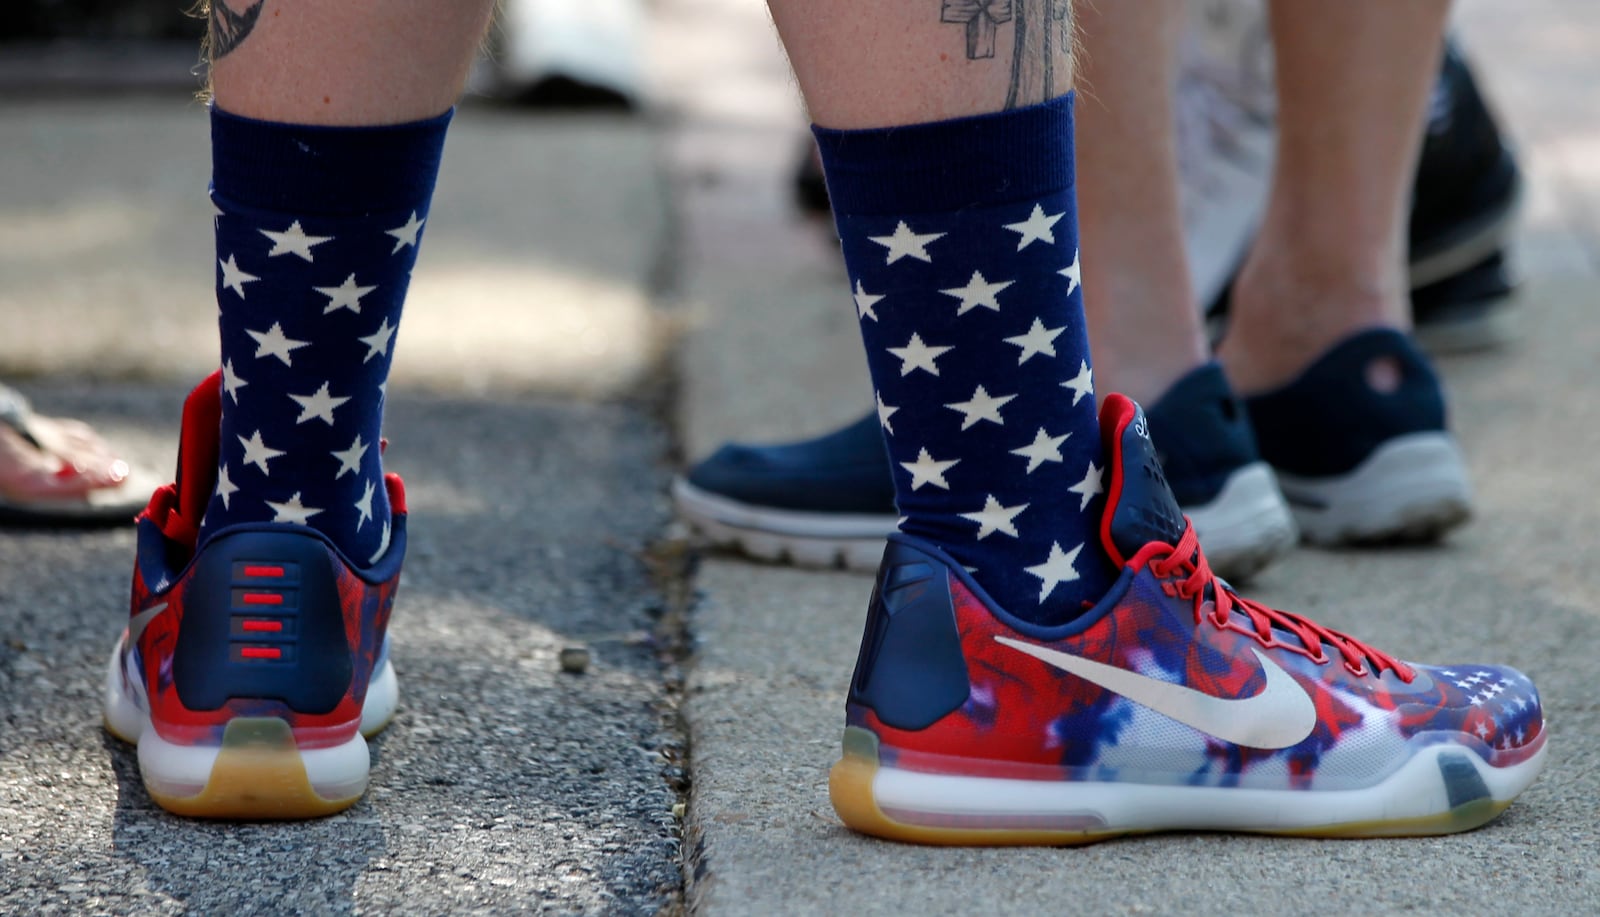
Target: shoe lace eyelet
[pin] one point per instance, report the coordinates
(1359, 671)
(1321, 658)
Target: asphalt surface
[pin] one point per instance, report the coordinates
(503, 784)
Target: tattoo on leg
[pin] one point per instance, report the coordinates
(230, 29)
(1039, 36)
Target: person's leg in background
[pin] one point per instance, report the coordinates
(1009, 704)
(257, 658)
(1147, 336)
(1343, 404)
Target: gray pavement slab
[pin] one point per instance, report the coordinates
(773, 354)
(502, 785)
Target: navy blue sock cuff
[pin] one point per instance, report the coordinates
(990, 159)
(315, 170)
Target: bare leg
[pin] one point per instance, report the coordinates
(1353, 78)
(1143, 325)
(355, 62)
(881, 63)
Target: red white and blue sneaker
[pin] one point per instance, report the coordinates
(1172, 704)
(252, 669)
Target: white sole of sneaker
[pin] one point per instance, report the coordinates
(1412, 488)
(850, 541)
(1247, 525)
(1471, 246)
(1497, 324)
(1441, 789)
(257, 771)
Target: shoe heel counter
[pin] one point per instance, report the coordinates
(263, 620)
(910, 671)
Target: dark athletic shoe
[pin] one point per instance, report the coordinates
(1360, 447)
(829, 501)
(1208, 452)
(1467, 186)
(823, 502)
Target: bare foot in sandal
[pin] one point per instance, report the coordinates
(56, 471)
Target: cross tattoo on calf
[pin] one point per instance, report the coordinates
(981, 18)
(1039, 33)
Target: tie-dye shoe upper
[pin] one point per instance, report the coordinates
(264, 637)
(971, 725)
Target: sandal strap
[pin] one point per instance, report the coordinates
(17, 414)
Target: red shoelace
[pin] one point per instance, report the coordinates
(1203, 587)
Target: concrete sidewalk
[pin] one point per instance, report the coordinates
(775, 356)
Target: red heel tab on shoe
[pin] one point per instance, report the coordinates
(1140, 508)
(198, 451)
(397, 492)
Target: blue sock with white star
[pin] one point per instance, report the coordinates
(961, 242)
(317, 230)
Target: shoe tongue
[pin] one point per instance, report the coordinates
(1140, 507)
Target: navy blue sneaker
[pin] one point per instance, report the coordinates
(829, 501)
(823, 502)
(1360, 447)
(1208, 452)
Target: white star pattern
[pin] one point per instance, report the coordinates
(258, 453)
(885, 411)
(983, 406)
(345, 296)
(407, 234)
(232, 381)
(233, 278)
(978, 292)
(225, 487)
(1060, 567)
(317, 406)
(864, 303)
(378, 341)
(929, 470)
(917, 355)
(292, 511)
(1073, 272)
(272, 343)
(350, 459)
(1082, 384)
(995, 518)
(364, 506)
(1038, 227)
(907, 244)
(1089, 486)
(293, 241)
(1044, 448)
(1038, 340)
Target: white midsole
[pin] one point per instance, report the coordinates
(336, 772)
(1248, 514)
(1407, 478)
(697, 504)
(1415, 790)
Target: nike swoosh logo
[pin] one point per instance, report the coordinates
(1282, 715)
(142, 620)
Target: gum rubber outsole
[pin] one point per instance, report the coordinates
(851, 781)
(258, 776)
(258, 772)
